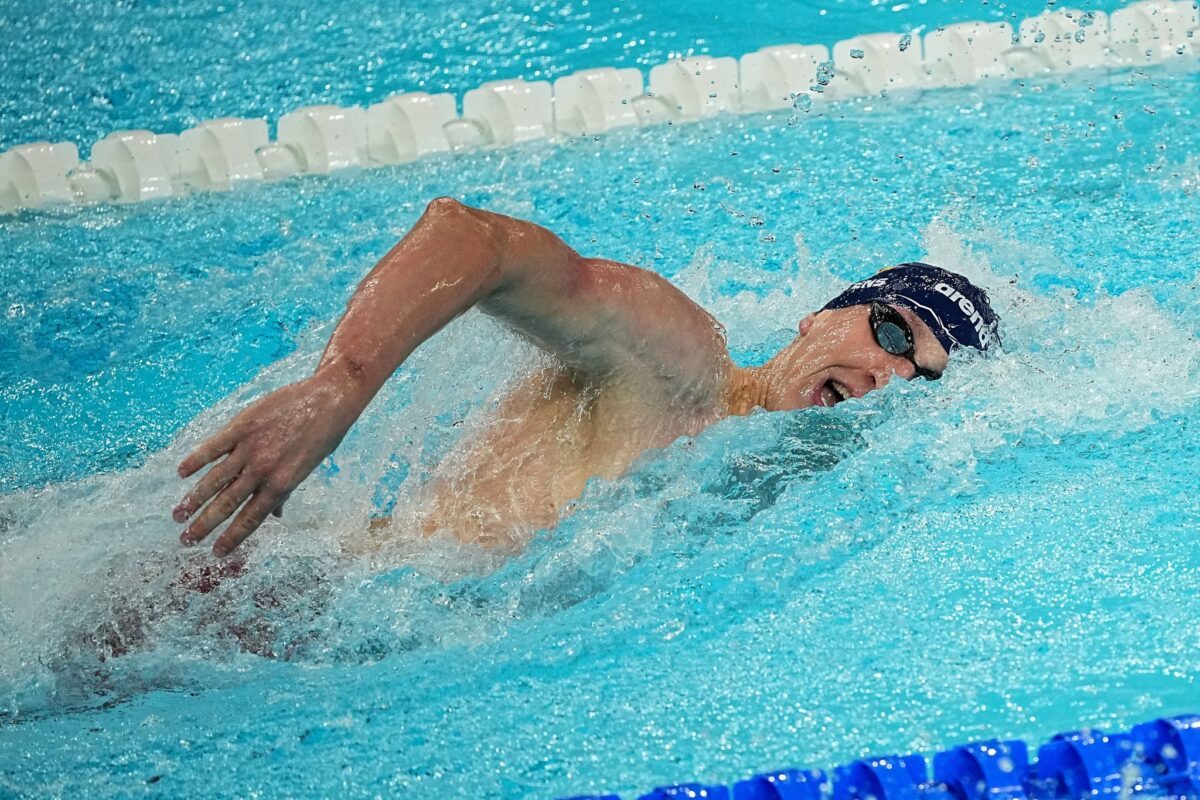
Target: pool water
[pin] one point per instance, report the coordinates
(1010, 551)
(81, 69)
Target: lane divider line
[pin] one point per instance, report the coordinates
(220, 154)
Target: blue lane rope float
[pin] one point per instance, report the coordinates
(1155, 759)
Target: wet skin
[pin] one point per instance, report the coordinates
(638, 365)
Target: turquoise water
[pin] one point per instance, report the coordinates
(80, 69)
(1011, 551)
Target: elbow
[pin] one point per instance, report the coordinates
(465, 225)
(443, 207)
(449, 208)
(446, 212)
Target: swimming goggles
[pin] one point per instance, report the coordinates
(892, 333)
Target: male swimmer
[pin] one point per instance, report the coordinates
(638, 365)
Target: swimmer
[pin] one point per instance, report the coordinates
(638, 365)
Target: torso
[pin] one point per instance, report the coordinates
(557, 429)
(551, 434)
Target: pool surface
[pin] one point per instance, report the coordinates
(81, 69)
(1009, 552)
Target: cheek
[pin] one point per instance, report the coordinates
(799, 396)
(852, 352)
(849, 335)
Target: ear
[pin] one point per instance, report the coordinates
(807, 323)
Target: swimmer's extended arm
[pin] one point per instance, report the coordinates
(599, 317)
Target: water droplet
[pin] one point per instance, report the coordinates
(905, 42)
(856, 53)
(823, 77)
(802, 102)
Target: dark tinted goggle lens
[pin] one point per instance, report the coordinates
(891, 331)
(892, 339)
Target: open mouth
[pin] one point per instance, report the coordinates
(834, 392)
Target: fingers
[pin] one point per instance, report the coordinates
(253, 515)
(213, 481)
(209, 451)
(219, 509)
(277, 511)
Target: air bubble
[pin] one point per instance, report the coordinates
(824, 75)
(802, 102)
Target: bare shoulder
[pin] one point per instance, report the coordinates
(602, 318)
(661, 334)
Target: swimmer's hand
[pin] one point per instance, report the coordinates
(268, 449)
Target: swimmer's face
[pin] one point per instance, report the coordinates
(836, 357)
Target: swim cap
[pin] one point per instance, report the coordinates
(956, 310)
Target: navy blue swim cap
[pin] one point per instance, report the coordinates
(956, 310)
